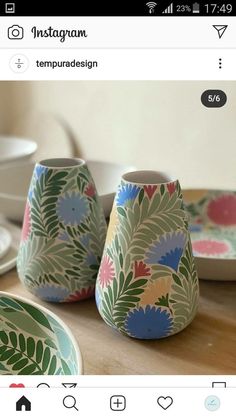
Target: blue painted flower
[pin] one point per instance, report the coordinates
(91, 259)
(52, 293)
(148, 323)
(39, 170)
(30, 194)
(64, 236)
(85, 240)
(127, 193)
(97, 298)
(168, 250)
(195, 228)
(72, 209)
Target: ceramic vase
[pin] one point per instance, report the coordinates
(147, 286)
(33, 341)
(63, 232)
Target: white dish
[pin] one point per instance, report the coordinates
(13, 149)
(8, 262)
(107, 178)
(5, 241)
(13, 193)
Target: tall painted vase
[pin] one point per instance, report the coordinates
(63, 232)
(147, 286)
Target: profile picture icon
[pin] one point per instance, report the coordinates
(15, 32)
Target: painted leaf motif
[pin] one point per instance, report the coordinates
(36, 314)
(27, 356)
(24, 322)
(46, 190)
(120, 297)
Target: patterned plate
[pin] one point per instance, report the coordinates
(213, 231)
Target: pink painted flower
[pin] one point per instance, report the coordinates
(222, 210)
(150, 190)
(90, 190)
(106, 271)
(171, 187)
(210, 247)
(26, 229)
(81, 295)
(141, 269)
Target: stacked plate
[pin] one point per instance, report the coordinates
(9, 242)
(13, 151)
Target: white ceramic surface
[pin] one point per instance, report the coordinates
(8, 261)
(107, 177)
(5, 241)
(13, 149)
(13, 193)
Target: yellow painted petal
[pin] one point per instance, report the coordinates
(194, 195)
(112, 225)
(157, 289)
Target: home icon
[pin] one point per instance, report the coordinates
(23, 404)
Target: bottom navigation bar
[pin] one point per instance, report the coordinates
(131, 402)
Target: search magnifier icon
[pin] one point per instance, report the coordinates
(70, 402)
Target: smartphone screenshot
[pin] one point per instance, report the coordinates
(118, 209)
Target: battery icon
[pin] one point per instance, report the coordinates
(196, 8)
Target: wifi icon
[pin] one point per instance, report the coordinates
(151, 5)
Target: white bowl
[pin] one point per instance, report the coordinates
(13, 149)
(107, 178)
(14, 185)
(13, 192)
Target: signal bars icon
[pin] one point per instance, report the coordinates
(169, 10)
(151, 5)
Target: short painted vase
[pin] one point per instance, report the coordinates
(147, 286)
(63, 233)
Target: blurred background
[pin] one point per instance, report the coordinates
(151, 125)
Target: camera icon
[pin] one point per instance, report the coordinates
(15, 32)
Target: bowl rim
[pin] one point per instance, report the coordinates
(23, 154)
(57, 318)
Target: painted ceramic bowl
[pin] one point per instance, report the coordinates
(212, 216)
(33, 341)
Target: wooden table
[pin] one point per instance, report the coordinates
(208, 346)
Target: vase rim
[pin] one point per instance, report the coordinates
(62, 163)
(148, 177)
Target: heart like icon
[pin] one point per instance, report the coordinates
(13, 385)
(165, 402)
